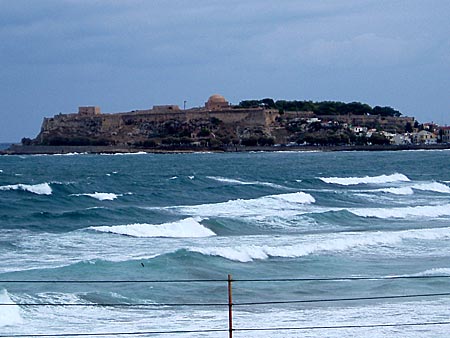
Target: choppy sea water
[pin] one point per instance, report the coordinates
(202, 216)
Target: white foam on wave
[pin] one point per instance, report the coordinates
(101, 196)
(70, 154)
(235, 181)
(397, 191)
(432, 186)
(9, 314)
(429, 272)
(283, 204)
(366, 179)
(323, 244)
(39, 189)
(430, 211)
(189, 227)
(434, 272)
(124, 154)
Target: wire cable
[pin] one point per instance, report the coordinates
(303, 328)
(312, 279)
(343, 299)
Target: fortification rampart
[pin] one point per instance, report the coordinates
(216, 123)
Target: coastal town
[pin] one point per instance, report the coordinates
(219, 125)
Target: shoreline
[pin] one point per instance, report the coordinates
(61, 150)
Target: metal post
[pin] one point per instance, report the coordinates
(230, 308)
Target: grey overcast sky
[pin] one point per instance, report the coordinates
(121, 55)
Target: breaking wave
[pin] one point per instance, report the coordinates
(366, 179)
(397, 191)
(235, 181)
(188, 227)
(71, 154)
(404, 212)
(321, 245)
(101, 196)
(433, 186)
(39, 189)
(434, 272)
(283, 204)
(429, 272)
(124, 154)
(9, 315)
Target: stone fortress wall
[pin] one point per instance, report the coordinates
(139, 125)
(216, 121)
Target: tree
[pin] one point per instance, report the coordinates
(378, 139)
(26, 141)
(408, 127)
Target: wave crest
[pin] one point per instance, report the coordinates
(404, 212)
(366, 179)
(235, 181)
(286, 204)
(432, 186)
(101, 196)
(322, 245)
(9, 315)
(38, 189)
(188, 227)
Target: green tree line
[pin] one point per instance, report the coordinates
(321, 108)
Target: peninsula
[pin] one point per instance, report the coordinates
(218, 125)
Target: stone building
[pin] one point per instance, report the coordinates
(89, 110)
(216, 102)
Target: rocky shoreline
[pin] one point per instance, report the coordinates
(54, 150)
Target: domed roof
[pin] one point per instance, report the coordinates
(216, 98)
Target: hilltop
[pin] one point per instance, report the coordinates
(219, 125)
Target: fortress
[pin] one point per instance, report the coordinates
(216, 120)
(217, 124)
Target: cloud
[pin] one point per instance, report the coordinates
(122, 54)
(364, 50)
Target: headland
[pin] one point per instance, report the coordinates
(251, 125)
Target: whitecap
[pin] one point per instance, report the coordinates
(9, 314)
(397, 191)
(39, 189)
(235, 181)
(322, 244)
(366, 179)
(70, 154)
(283, 204)
(188, 227)
(429, 211)
(124, 154)
(101, 196)
(433, 272)
(432, 186)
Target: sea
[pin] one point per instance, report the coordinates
(317, 244)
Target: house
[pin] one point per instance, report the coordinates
(444, 134)
(424, 137)
(401, 139)
(359, 131)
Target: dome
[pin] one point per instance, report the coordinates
(216, 98)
